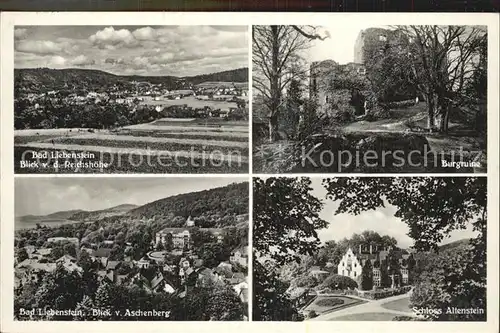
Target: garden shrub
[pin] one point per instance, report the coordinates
(312, 314)
(329, 302)
(335, 281)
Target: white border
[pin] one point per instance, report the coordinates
(9, 20)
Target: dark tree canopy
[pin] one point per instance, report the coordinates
(286, 218)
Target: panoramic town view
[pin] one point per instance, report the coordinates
(104, 99)
(369, 249)
(363, 98)
(138, 249)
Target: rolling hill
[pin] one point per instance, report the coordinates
(99, 214)
(228, 200)
(62, 215)
(47, 79)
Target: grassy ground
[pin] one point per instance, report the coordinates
(460, 144)
(369, 316)
(167, 146)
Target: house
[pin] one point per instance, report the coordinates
(240, 257)
(352, 263)
(66, 258)
(102, 254)
(181, 238)
(189, 222)
(144, 263)
(40, 253)
(241, 290)
(112, 264)
(73, 240)
(206, 277)
(32, 271)
(104, 275)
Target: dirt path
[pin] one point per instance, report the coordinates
(135, 151)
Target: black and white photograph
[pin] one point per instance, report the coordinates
(369, 249)
(366, 98)
(131, 99)
(131, 249)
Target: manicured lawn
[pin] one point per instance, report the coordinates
(369, 316)
(398, 305)
(323, 304)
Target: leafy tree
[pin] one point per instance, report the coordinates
(285, 223)
(307, 281)
(224, 304)
(212, 254)
(269, 294)
(84, 261)
(286, 218)
(335, 281)
(200, 237)
(443, 60)
(21, 254)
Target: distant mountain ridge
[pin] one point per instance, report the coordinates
(54, 79)
(62, 215)
(99, 214)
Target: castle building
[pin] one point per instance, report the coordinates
(373, 40)
(352, 263)
(181, 238)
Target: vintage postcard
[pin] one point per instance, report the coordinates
(265, 172)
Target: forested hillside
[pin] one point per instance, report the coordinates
(46, 79)
(209, 208)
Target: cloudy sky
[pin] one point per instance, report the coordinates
(381, 220)
(42, 196)
(142, 50)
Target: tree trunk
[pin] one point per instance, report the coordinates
(445, 121)
(430, 112)
(273, 127)
(274, 84)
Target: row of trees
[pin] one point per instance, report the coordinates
(57, 114)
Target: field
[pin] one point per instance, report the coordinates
(190, 101)
(163, 146)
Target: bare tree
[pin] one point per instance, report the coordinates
(277, 60)
(443, 60)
